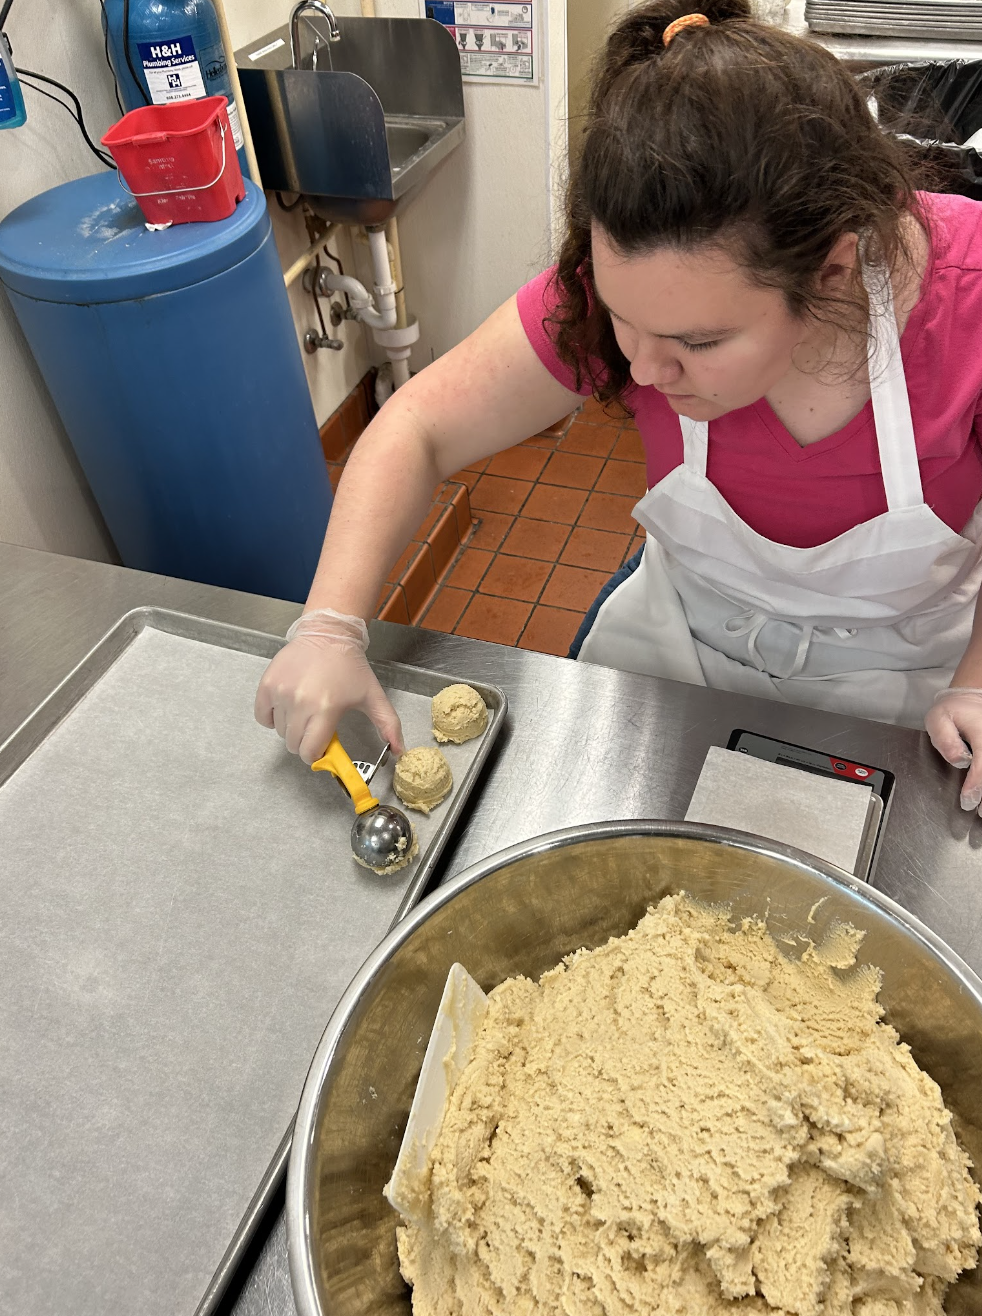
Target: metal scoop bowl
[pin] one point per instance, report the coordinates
(381, 835)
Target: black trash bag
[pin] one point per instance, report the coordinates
(934, 109)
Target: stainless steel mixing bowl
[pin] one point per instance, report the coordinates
(519, 912)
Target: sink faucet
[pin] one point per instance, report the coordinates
(319, 7)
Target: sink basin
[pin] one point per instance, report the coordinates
(358, 126)
(405, 139)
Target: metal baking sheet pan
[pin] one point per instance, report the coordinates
(181, 914)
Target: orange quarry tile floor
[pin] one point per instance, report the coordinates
(550, 522)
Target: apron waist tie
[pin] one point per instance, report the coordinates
(752, 621)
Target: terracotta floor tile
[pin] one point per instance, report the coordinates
(574, 588)
(590, 440)
(550, 502)
(461, 504)
(489, 617)
(494, 494)
(333, 439)
(395, 609)
(622, 478)
(539, 539)
(469, 568)
(469, 478)
(477, 466)
(571, 470)
(593, 413)
(402, 563)
(429, 521)
(550, 630)
(518, 463)
(515, 577)
(637, 542)
(609, 512)
(354, 414)
(597, 549)
(444, 541)
(419, 582)
(560, 426)
(629, 447)
(491, 530)
(546, 442)
(444, 612)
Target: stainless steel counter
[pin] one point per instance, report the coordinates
(583, 744)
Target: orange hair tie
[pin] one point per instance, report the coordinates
(687, 20)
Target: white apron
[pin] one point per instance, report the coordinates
(872, 623)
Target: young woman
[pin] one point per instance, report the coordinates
(748, 269)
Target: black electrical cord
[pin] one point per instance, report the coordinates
(76, 114)
(317, 300)
(126, 51)
(4, 12)
(105, 29)
(330, 256)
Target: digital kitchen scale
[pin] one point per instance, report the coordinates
(880, 782)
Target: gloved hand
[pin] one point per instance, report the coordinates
(316, 678)
(954, 723)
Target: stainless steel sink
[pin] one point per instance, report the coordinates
(362, 121)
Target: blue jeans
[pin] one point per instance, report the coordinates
(618, 578)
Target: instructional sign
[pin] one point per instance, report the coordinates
(498, 42)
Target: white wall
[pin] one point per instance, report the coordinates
(483, 223)
(44, 500)
(589, 23)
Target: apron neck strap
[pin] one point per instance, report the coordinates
(891, 405)
(888, 390)
(695, 444)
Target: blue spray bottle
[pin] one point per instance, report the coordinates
(13, 113)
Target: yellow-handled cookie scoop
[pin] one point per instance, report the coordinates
(382, 837)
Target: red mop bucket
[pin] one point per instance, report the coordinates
(178, 160)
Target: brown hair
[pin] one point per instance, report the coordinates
(737, 135)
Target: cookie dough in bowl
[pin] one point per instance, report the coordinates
(459, 714)
(422, 778)
(688, 1122)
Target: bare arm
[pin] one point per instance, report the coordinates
(486, 394)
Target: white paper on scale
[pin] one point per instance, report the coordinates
(497, 42)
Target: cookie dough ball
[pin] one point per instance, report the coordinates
(459, 714)
(422, 778)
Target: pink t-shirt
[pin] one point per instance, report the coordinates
(807, 496)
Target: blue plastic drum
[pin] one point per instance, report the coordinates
(173, 361)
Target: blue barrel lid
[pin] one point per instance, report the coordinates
(87, 241)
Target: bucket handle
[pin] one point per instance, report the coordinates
(169, 191)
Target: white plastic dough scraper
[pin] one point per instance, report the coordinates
(458, 1020)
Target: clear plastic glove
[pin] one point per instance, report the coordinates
(319, 676)
(954, 723)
